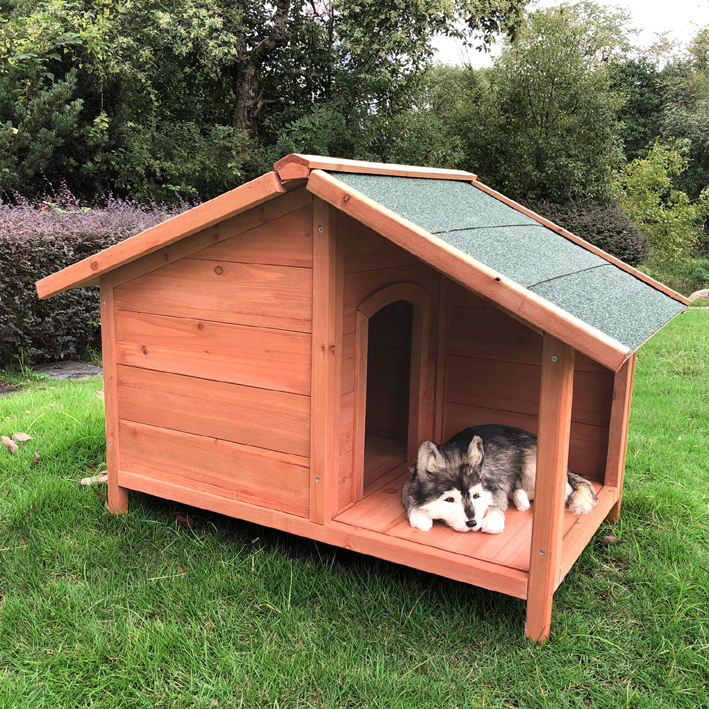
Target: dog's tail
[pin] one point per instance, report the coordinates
(583, 496)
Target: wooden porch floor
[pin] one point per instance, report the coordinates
(382, 511)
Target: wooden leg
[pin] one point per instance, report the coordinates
(550, 490)
(117, 496)
(618, 432)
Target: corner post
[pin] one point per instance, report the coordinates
(618, 432)
(550, 490)
(328, 280)
(117, 495)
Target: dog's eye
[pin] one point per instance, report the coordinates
(450, 499)
(476, 495)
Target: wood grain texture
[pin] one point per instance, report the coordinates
(585, 244)
(272, 420)
(117, 496)
(278, 297)
(257, 357)
(328, 277)
(587, 448)
(216, 234)
(312, 162)
(555, 400)
(284, 241)
(442, 343)
(618, 432)
(470, 273)
(365, 250)
(202, 217)
(514, 387)
(400, 551)
(254, 475)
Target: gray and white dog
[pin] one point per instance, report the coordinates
(467, 481)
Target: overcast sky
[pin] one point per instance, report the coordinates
(682, 18)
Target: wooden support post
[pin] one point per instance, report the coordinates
(328, 280)
(618, 433)
(439, 428)
(550, 490)
(117, 496)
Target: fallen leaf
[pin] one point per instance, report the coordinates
(253, 541)
(27, 412)
(36, 458)
(610, 541)
(99, 394)
(181, 569)
(184, 519)
(21, 437)
(12, 446)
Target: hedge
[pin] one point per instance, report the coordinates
(41, 237)
(604, 225)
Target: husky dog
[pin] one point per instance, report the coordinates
(467, 481)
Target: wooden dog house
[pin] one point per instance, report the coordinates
(278, 354)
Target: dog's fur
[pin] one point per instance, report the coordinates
(467, 481)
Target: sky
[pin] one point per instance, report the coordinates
(682, 18)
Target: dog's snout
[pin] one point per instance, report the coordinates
(471, 523)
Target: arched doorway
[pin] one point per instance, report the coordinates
(390, 381)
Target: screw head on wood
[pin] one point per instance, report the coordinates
(104, 302)
(553, 359)
(109, 444)
(542, 552)
(319, 228)
(317, 480)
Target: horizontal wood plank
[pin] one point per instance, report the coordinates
(253, 475)
(365, 250)
(272, 420)
(248, 196)
(257, 357)
(277, 297)
(512, 386)
(285, 241)
(587, 448)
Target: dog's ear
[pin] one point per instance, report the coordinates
(429, 459)
(476, 454)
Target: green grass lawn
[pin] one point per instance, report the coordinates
(138, 611)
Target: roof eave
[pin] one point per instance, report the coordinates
(470, 273)
(87, 272)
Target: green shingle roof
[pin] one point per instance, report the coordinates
(525, 251)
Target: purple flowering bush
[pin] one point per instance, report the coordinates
(45, 235)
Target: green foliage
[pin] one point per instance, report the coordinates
(666, 214)
(200, 95)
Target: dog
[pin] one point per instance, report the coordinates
(468, 481)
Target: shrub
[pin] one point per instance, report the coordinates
(40, 237)
(604, 225)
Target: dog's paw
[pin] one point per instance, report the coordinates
(582, 501)
(493, 522)
(420, 520)
(519, 497)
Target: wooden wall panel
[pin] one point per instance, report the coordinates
(257, 357)
(286, 241)
(512, 386)
(253, 475)
(359, 285)
(365, 250)
(589, 444)
(272, 420)
(277, 297)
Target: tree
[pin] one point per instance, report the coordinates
(542, 123)
(201, 94)
(667, 215)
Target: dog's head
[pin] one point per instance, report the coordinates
(449, 485)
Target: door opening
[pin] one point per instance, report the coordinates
(388, 387)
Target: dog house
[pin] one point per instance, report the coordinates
(279, 353)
